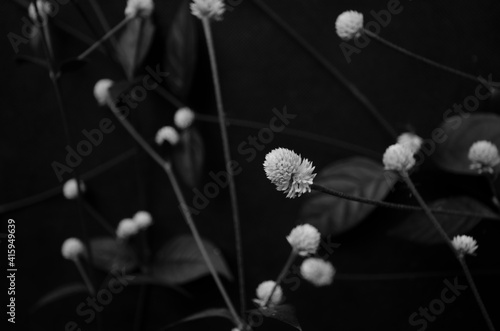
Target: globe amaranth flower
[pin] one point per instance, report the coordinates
(70, 189)
(143, 219)
(464, 245)
(289, 172)
(483, 156)
(127, 228)
(72, 248)
(264, 292)
(183, 118)
(142, 8)
(167, 133)
(211, 9)
(101, 91)
(398, 157)
(44, 9)
(349, 25)
(317, 271)
(304, 239)
(410, 140)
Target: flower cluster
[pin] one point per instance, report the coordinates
(317, 271)
(483, 156)
(349, 25)
(211, 9)
(101, 91)
(464, 245)
(304, 239)
(131, 226)
(264, 292)
(169, 134)
(142, 8)
(70, 189)
(72, 248)
(398, 157)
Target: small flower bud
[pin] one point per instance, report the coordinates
(142, 8)
(70, 189)
(72, 248)
(410, 140)
(264, 291)
(464, 245)
(211, 9)
(349, 25)
(143, 219)
(126, 228)
(304, 239)
(167, 133)
(101, 91)
(398, 158)
(183, 118)
(483, 156)
(44, 9)
(317, 271)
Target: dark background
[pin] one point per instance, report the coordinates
(261, 68)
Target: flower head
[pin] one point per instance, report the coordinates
(304, 239)
(211, 9)
(126, 228)
(183, 118)
(167, 133)
(142, 8)
(72, 248)
(289, 172)
(70, 189)
(264, 291)
(398, 157)
(317, 271)
(483, 156)
(349, 25)
(44, 9)
(410, 140)
(464, 245)
(101, 91)
(143, 219)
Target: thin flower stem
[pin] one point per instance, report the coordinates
(167, 167)
(228, 163)
(288, 264)
(85, 277)
(98, 217)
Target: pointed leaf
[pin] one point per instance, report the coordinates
(111, 254)
(356, 176)
(461, 133)
(59, 294)
(282, 313)
(180, 261)
(189, 156)
(418, 228)
(213, 312)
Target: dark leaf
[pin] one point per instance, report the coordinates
(31, 59)
(111, 254)
(141, 279)
(189, 156)
(59, 294)
(461, 133)
(356, 176)
(180, 261)
(282, 313)
(213, 312)
(418, 227)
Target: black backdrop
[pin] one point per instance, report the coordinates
(261, 68)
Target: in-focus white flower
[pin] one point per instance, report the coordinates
(483, 156)
(70, 189)
(72, 248)
(143, 219)
(44, 9)
(127, 228)
(464, 245)
(304, 239)
(167, 133)
(349, 25)
(142, 8)
(101, 90)
(317, 271)
(264, 291)
(398, 157)
(289, 172)
(211, 9)
(183, 118)
(410, 140)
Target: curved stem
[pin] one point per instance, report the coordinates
(85, 277)
(288, 264)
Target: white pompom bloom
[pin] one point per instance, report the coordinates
(304, 239)
(44, 9)
(167, 133)
(264, 292)
(70, 189)
(464, 245)
(317, 271)
(143, 219)
(126, 228)
(398, 157)
(483, 156)
(349, 25)
(410, 140)
(142, 8)
(289, 172)
(72, 248)
(183, 118)
(101, 90)
(211, 9)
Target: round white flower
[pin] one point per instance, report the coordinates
(410, 140)
(72, 248)
(167, 133)
(398, 157)
(44, 9)
(304, 239)
(126, 228)
(349, 25)
(211, 9)
(183, 118)
(70, 189)
(464, 245)
(317, 271)
(142, 8)
(143, 219)
(483, 156)
(264, 291)
(101, 91)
